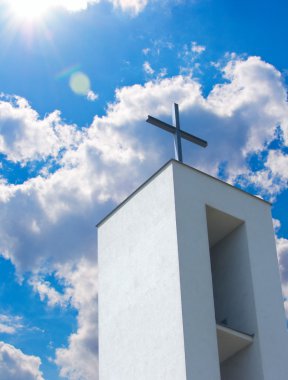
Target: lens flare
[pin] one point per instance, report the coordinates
(80, 83)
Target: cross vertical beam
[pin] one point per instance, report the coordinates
(177, 135)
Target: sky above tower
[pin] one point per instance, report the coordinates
(77, 81)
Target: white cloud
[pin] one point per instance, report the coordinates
(276, 224)
(10, 324)
(282, 251)
(277, 162)
(131, 6)
(272, 179)
(79, 282)
(196, 48)
(158, 46)
(79, 359)
(6, 329)
(251, 105)
(189, 55)
(146, 51)
(286, 308)
(47, 292)
(74, 5)
(24, 136)
(92, 96)
(163, 72)
(150, 71)
(147, 68)
(15, 365)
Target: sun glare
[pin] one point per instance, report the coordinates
(29, 10)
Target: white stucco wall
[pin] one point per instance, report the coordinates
(270, 344)
(156, 308)
(140, 319)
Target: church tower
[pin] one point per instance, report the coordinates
(188, 284)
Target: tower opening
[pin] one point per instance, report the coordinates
(232, 288)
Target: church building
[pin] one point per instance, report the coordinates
(189, 284)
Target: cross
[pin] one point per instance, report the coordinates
(177, 132)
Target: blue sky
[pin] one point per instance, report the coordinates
(77, 80)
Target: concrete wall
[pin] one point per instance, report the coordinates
(199, 323)
(140, 318)
(270, 343)
(156, 305)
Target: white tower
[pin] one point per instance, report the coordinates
(188, 284)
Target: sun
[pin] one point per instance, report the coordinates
(29, 10)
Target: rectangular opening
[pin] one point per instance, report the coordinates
(232, 290)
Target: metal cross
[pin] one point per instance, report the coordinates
(177, 132)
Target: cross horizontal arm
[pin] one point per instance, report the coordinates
(161, 124)
(194, 139)
(171, 129)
